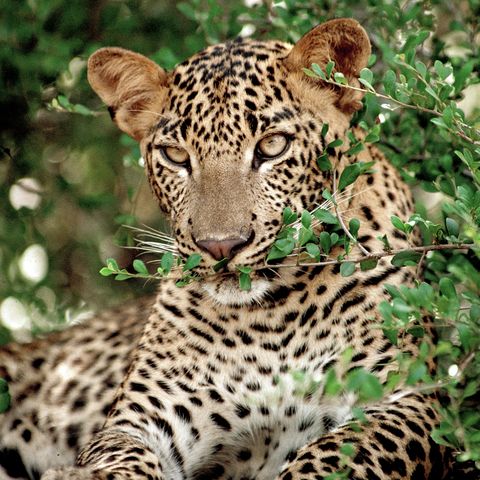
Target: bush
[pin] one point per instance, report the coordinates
(421, 105)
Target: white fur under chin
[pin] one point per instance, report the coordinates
(227, 292)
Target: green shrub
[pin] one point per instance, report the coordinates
(421, 106)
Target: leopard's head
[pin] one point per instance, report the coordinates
(231, 137)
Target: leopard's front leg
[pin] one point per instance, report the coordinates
(113, 455)
(394, 444)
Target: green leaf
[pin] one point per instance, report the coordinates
(82, 110)
(415, 39)
(5, 401)
(275, 254)
(3, 386)
(349, 175)
(347, 449)
(421, 68)
(328, 196)
(220, 264)
(245, 282)
(354, 226)
(462, 75)
(140, 267)
(447, 288)
(389, 82)
(285, 244)
(440, 122)
(123, 276)
(324, 131)
(332, 385)
(187, 10)
(329, 68)
(63, 101)
(318, 71)
(347, 269)
(325, 216)
(325, 242)
(192, 261)
(335, 143)
(339, 77)
(366, 74)
(106, 272)
(359, 414)
(304, 236)
(324, 163)
(355, 149)
(366, 384)
(442, 71)
(452, 226)
(166, 263)
(407, 258)
(185, 280)
(313, 250)
(244, 279)
(417, 371)
(432, 93)
(309, 73)
(366, 84)
(281, 248)
(289, 216)
(112, 264)
(397, 223)
(368, 264)
(373, 135)
(306, 219)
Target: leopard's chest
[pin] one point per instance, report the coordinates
(264, 407)
(268, 425)
(253, 381)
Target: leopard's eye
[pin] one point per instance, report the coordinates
(271, 146)
(176, 155)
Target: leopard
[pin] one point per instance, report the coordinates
(201, 382)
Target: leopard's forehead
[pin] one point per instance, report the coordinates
(236, 61)
(226, 93)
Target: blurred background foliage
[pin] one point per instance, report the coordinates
(70, 180)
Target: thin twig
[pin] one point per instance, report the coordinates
(466, 362)
(420, 264)
(340, 219)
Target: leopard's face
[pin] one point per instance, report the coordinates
(235, 145)
(230, 138)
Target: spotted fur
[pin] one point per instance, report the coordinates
(207, 381)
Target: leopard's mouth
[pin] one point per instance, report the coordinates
(225, 289)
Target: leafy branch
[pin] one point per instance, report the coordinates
(437, 91)
(403, 256)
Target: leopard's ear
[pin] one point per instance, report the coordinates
(132, 86)
(346, 43)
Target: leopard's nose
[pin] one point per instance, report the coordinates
(226, 248)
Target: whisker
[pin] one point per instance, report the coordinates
(150, 240)
(152, 232)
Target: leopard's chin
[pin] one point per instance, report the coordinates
(225, 290)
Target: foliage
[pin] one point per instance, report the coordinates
(83, 174)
